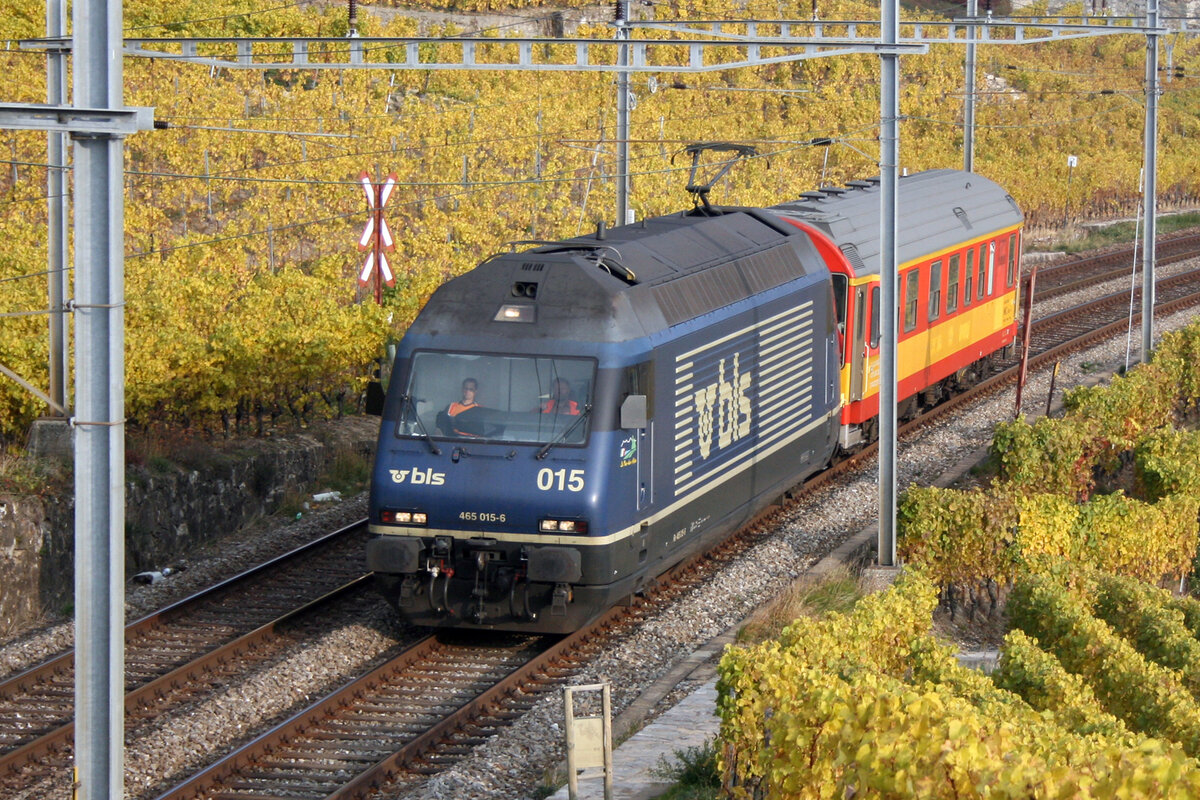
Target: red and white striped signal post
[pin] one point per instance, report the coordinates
(376, 237)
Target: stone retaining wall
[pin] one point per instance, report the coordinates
(170, 512)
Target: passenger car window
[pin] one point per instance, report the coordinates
(982, 268)
(1012, 259)
(874, 317)
(952, 285)
(935, 290)
(969, 277)
(910, 300)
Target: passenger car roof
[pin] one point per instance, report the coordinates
(936, 209)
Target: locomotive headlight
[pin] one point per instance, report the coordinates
(391, 517)
(562, 526)
(516, 312)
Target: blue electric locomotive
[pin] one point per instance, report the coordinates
(565, 423)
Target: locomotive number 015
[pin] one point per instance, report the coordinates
(560, 479)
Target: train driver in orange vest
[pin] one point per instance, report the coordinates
(560, 402)
(469, 387)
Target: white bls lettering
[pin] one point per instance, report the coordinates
(427, 476)
(728, 400)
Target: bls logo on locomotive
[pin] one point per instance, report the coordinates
(732, 408)
(427, 476)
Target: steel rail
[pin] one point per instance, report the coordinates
(1179, 285)
(531, 678)
(59, 670)
(150, 695)
(1058, 278)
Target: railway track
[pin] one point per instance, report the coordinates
(422, 711)
(178, 652)
(1055, 335)
(432, 704)
(384, 720)
(1061, 277)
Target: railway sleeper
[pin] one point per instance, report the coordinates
(333, 755)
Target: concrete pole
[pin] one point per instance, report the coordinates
(56, 199)
(1150, 243)
(889, 156)
(100, 410)
(969, 100)
(623, 115)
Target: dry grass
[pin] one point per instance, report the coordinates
(836, 592)
(22, 475)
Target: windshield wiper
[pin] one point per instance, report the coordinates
(406, 400)
(546, 448)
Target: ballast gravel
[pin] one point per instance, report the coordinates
(233, 555)
(522, 761)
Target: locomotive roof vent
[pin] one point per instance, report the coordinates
(962, 217)
(852, 255)
(812, 195)
(833, 191)
(862, 184)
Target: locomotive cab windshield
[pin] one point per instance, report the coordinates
(502, 398)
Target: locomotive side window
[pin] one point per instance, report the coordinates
(910, 300)
(952, 285)
(639, 379)
(479, 397)
(968, 277)
(935, 290)
(841, 288)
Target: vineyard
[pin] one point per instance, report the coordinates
(243, 212)
(1097, 693)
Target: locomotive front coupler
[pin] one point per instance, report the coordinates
(558, 601)
(480, 588)
(408, 590)
(441, 548)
